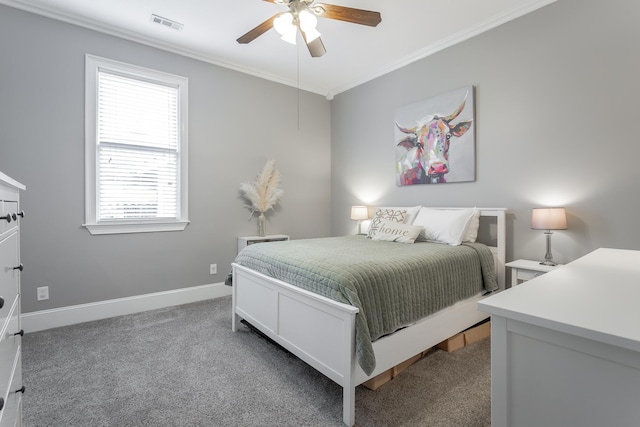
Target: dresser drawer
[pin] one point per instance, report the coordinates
(11, 414)
(9, 346)
(528, 274)
(8, 192)
(9, 208)
(8, 276)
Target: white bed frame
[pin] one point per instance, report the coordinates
(321, 331)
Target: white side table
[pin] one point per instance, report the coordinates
(250, 240)
(524, 269)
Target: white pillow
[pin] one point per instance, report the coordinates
(443, 225)
(472, 228)
(392, 231)
(397, 215)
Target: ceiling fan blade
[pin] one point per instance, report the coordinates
(348, 14)
(257, 31)
(315, 46)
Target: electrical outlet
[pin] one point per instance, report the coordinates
(43, 293)
(213, 269)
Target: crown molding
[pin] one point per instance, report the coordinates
(431, 49)
(452, 40)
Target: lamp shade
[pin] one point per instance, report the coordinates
(359, 212)
(285, 27)
(548, 219)
(308, 22)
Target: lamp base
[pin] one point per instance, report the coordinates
(548, 257)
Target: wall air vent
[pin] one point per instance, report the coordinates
(166, 22)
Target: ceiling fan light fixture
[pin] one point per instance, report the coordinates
(308, 23)
(283, 24)
(302, 15)
(290, 37)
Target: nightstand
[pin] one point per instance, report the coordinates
(250, 240)
(524, 269)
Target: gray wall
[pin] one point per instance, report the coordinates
(556, 107)
(236, 123)
(556, 101)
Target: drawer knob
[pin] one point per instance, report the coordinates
(20, 267)
(6, 217)
(20, 332)
(1, 302)
(21, 390)
(18, 214)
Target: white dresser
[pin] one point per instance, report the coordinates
(11, 388)
(565, 346)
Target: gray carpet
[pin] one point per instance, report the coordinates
(182, 366)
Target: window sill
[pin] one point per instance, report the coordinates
(125, 228)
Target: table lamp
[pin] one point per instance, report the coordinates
(359, 213)
(548, 219)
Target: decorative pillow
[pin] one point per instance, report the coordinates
(397, 215)
(443, 225)
(472, 228)
(411, 214)
(392, 231)
(409, 217)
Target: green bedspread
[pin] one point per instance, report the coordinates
(393, 284)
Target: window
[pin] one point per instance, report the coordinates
(136, 149)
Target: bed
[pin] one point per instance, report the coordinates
(323, 327)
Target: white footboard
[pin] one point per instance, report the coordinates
(318, 330)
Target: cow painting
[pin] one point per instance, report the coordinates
(423, 151)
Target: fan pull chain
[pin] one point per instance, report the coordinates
(298, 79)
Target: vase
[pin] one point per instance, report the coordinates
(261, 225)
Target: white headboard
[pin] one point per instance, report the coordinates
(494, 235)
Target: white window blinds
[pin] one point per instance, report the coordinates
(138, 143)
(136, 149)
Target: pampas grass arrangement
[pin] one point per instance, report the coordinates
(263, 193)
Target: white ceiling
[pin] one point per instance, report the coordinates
(410, 30)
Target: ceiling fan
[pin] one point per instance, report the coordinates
(302, 17)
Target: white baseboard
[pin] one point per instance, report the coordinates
(63, 316)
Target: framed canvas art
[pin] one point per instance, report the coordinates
(435, 139)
